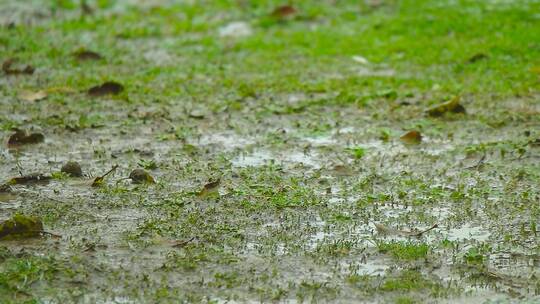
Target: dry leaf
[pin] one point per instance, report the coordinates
(477, 57)
(107, 88)
(21, 137)
(10, 69)
(87, 55)
(21, 226)
(32, 96)
(140, 176)
(411, 138)
(98, 181)
(284, 11)
(72, 169)
(210, 189)
(180, 244)
(452, 105)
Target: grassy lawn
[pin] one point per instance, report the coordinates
(275, 139)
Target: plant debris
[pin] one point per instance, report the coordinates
(21, 226)
(411, 137)
(452, 105)
(181, 243)
(85, 55)
(140, 176)
(283, 11)
(382, 229)
(210, 189)
(98, 181)
(32, 96)
(21, 137)
(34, 178)
(107, 88)
(477, 57)
(10, 68)
(72, 168)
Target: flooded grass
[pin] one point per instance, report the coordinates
(276, 145)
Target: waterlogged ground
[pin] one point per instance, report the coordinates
(298, 114)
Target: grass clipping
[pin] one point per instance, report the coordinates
(20, 226)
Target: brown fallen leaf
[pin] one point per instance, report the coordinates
(21, 226)
(33, 96)
(412, 137)
(72, 168)
(140, 176)
(98, 181)
(85, 55)
(210, 189)
(382, 229)
(10, 68)
(107, 88)
(34, 178)
(477, 57)
(283, 11)
(452, 105)
(21, 137)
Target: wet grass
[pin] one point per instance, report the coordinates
(303, 138)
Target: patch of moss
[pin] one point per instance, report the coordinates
(408, 280)
(404, 250)
(20, 226)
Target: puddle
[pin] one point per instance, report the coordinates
(235, 29)
(265, 157)
(372, 268)
(228, 140)
(466, 232)
(321, 140)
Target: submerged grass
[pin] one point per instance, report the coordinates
(300, 120)
(404, 250)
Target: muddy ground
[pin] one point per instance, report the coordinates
(276, 138)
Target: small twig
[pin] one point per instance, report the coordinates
(424, 231)
(386, 230)
(98, 180)
(479, 163)
(109, 172)
(180, 244)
